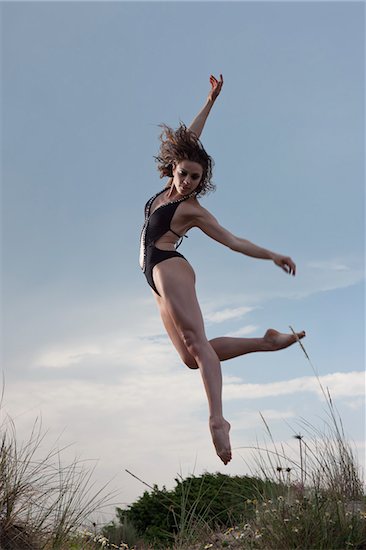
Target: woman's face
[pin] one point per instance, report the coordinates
(187, 176)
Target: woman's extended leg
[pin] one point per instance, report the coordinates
(175, 281)
(227, 347)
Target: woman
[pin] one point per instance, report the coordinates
(168, 216)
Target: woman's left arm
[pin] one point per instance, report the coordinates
(198, 123)
(209, 225)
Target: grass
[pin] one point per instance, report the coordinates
(43, 502)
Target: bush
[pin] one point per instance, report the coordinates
(196, 503)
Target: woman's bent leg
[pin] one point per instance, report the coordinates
(175, 281)
(227, 347)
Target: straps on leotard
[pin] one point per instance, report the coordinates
(180, 237)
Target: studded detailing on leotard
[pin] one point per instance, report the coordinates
(155, 226)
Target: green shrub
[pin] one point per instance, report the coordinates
(196, 503)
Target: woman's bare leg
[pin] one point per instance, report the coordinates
(175, 281)
(227, 347)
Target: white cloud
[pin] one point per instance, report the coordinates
(328, 265)
(313, 277)
(340, 384)
(60, 358)
(357, 403)
(227, 314)
(243, 331)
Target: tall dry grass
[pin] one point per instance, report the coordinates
(318, 500)
(43, 501)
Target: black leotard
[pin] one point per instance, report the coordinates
(155, 226)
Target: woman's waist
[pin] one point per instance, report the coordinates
(166, 246)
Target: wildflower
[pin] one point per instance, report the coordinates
(255, 501)
(295, 530)
(246, 527)
(280, 498)
(258, 535)
(297, 501)
(229, 531)
(248, 501)
(269, 501)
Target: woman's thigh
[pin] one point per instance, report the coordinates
(174, 335)
(175, 280)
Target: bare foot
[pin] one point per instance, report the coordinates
(277, 340)
(220, 436)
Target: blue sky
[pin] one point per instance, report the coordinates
(85, 86)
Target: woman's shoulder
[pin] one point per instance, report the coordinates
(193, 208)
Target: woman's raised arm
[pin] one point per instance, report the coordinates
(199, 122)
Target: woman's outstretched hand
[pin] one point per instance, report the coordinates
(216, 86)
(285, 263)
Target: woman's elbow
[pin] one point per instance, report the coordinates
(233, 243)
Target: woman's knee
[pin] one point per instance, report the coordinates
(192, 343)
(190, 362)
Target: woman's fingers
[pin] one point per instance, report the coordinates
(287, 265)
(216, 86)
(291, 267)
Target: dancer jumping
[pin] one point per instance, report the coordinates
(168, 216)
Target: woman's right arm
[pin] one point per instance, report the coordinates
(198, 123)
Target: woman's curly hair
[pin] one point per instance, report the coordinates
(183, 144)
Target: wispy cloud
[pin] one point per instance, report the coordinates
(358, 403)
(227, 314)
(340, 384)
(329, 265)
(313, 277)
(61, 358)
(243, 331)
